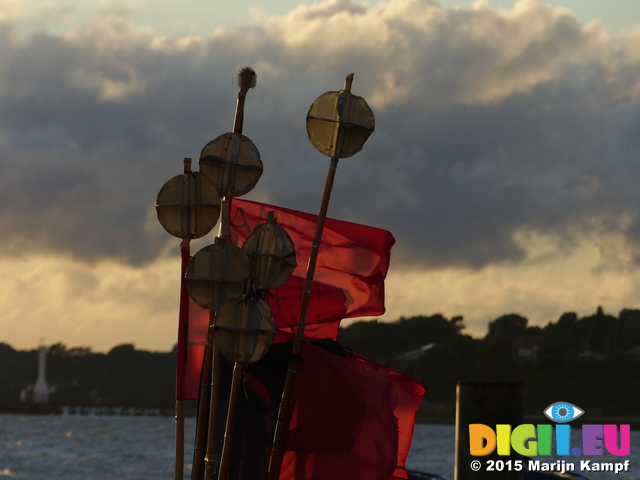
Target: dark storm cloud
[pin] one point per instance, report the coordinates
(472, 176)
(488, 124)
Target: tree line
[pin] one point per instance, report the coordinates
(589, 361)
(124, 376)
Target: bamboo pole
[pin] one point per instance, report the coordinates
(185, 251)
(179, 419)
(212, 458)
(236, 382)
(203, 407)
(282, 420)
(238, 375)
(179, 406)
(204, 399)
(210, 393)
(246, 80)
(275, 463)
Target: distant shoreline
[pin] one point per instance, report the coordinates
(440, 418)
(93, 410)
(633, 421)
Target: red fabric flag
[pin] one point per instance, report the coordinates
(349, 282)
(349, 278)
(192, 331)
(189, 362)
(350, 418)
(410, 391)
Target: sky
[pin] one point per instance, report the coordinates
(505, 159)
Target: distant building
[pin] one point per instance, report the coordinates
(412, 355)
(634, 351)
(41, 388)
(591, 355)
(527, 348)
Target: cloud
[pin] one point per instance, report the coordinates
(541, 291)
(57, 299)
(494, 128)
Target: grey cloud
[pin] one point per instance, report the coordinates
(488, 124)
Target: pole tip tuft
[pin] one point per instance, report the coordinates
(247, 78)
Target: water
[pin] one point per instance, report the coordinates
(63, 447)
(71, 447)
(433, 450)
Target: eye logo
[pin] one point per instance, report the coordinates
(562, 412)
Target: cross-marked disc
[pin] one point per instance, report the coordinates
(215, 273)
(338, 123)
(232, 164)
(274, 255)
(244, 329)
(188, 206)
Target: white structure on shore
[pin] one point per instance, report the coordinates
(41, 388)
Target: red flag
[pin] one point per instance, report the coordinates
(350, 418)
(189, 362)
(410, 391)
(349, 278)
(349, 282)
(192, 331)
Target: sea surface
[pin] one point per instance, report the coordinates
(85, 447)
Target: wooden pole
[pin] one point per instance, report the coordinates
(203, 407)
(185, 251)
(275, 463)
(236, 382)
(212, 458)
(238, 375)
(212, 370)
(210, 387)
(489, 403)
(184, 318)
(205, 397)
(179, 419)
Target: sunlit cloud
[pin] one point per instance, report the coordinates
(505, 148)
(107, 304)
(541, 291)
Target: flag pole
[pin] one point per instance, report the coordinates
(275, 463)
(187, 208)
(179, 419)
(213, 362)
(185, 254)
(236, 380)
(203, 406)
(179, 406)
(213, 461)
